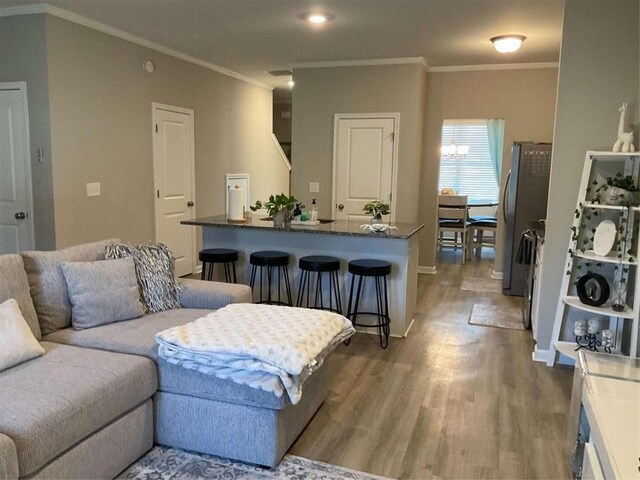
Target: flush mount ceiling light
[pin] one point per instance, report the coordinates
(290, 83)
(507, 43)
(317, 18)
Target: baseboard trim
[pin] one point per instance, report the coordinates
(374, 331)
(409, 327)
(543, 356)
(540, 355)
(497, 275)
(427, 270)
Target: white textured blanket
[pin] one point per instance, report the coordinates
(269, 347)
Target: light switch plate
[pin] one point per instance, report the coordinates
(314, 187)
(93, 189)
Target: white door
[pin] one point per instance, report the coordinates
(174, 175)
(363, 164)
(16, 232)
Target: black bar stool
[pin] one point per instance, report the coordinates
(227, 256)
(378, 269)
(270, 260)
(320, 264)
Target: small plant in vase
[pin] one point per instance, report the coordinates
(377, 209)
(279, 208)
(619, 190)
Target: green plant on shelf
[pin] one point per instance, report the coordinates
(624, 182)
(617, 190)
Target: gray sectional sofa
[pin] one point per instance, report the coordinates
(99, 398)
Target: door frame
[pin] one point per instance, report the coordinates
(22, 87)
(394, 160)
(155, 106)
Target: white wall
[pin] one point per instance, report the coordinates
(319, 93)
(100, 106)
(524, 98)
(599, 69)
(281, 125)
(23, 57)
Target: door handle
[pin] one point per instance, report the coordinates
(20, 216)
(340, 206)
(504, 196)
(190, 204)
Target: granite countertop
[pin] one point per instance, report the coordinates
(338, 227)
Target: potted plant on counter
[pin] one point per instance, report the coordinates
(377, 209)
(279, 208)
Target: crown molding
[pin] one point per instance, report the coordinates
(494, 66)
(364, 63)
(22, 10)
(115, 32)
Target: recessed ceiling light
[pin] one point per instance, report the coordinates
(317, 18)
(290, 83)
(508, 43)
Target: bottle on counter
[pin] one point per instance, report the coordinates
(297, 212)
(314, 211)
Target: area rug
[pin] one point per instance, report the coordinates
(493, 316)
(481, 285)
(163, 463)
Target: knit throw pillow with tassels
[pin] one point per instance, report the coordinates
(155, 271)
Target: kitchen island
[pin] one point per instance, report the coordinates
(343, 239)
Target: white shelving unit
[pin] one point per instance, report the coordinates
(629, 165)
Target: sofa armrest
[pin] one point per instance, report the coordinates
(8, 459)
(212, 295)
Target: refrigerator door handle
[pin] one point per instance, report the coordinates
(505, 196)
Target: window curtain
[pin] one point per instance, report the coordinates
(495, 134)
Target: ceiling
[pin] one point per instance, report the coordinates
(254, 36)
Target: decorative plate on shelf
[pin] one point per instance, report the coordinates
(604, 238)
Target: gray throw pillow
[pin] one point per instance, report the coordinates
(102, 292)
(46, 281)
(155, 268)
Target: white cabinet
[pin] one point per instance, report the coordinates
(591, 469)
(605, 415)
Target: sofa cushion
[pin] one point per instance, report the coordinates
(17, 343)
(212, 295)
(138, 337)
(102, 292)
(48, 288)
(14, 284)
(53, 402)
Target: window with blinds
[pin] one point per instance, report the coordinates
(472, 175)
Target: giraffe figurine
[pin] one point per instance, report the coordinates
(625, 139)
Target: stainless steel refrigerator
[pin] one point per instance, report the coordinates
(524, 202)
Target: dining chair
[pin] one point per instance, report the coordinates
(453, 217)
(479, 225)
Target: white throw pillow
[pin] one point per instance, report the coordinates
(17, 343)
